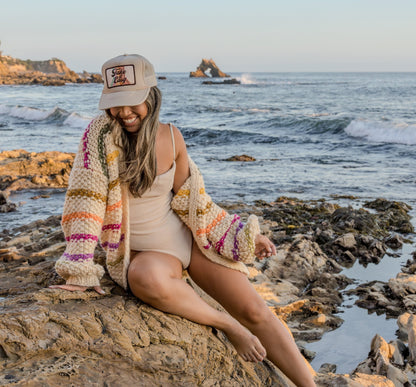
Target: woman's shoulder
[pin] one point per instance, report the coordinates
(177, 135)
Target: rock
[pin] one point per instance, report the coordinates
(5, 204)
(53, 72)
(386, 360)
(20, 169)
(402, 322)
(113, 340)
(403, 285)
(208, 64)
(241, 158)
(232, 81)
(327, 367)
(411, 335)
(347, 241)
(394, 241)
(393, 215)
(51, 337)
(360, 220)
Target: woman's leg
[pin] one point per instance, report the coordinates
(156, 279)
(235, 293)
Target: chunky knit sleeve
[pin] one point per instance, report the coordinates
(84, 208)
(216, 231)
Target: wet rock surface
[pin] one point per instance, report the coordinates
(73, 338)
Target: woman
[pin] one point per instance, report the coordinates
(129, 174)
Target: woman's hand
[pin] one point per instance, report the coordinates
(74, 288)
(264, 247)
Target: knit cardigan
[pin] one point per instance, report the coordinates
(97, 209)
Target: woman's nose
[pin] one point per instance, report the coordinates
(124, 111)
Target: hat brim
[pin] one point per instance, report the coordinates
(123, 98)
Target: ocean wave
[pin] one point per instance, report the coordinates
(247, 79)
(56, 115)
(75, 120)
(306, 124)
(218, 137)
(383, 132)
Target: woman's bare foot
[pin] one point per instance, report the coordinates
(246, 344)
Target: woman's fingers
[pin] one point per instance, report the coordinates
(72, 288)
(99, 290)
(264, 247)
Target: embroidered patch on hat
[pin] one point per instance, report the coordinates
(120, 76)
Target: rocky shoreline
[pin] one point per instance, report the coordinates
(53, 72)
(62, 337)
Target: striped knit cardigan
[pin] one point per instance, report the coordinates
(97, 208)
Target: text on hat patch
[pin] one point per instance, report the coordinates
(120, 76)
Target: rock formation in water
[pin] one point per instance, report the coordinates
(53, 72)
(208, 65)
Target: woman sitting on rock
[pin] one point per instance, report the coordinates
(133, 186)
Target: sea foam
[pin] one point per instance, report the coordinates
(383, 132)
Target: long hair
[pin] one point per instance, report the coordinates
(139, 155)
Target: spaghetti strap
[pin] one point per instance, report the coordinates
(173, 141)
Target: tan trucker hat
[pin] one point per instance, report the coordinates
(127, 81)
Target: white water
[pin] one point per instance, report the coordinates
(383, 132)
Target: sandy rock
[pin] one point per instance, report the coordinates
(74, 338)
(53, 72)
(403, 284)
(54, 337)
(402, 322)
(22, 170)
(411, 334)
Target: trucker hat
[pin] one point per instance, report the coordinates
(127, 81)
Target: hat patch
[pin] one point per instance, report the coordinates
(120, 76)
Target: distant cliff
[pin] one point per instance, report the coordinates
(53, 72)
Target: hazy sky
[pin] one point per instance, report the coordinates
(240, 35)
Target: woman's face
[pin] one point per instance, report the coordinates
(130, 117)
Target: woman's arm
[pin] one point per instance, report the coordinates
(262, 247)
(181, 159)
(84, 211)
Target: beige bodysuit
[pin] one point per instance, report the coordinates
(153, 224)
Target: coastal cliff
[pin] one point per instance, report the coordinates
(53, 72)
(50, 337)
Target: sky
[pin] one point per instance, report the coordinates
(241, 36)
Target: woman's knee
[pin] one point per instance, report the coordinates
(148, 284)
(254, 312)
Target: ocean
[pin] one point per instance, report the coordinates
(313, 135)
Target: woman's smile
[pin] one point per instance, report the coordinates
(130, 117)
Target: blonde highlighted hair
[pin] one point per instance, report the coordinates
(139, 155)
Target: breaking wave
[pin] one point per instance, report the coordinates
(383, 132)
(56, 115)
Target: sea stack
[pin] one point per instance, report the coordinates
(208, 64)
